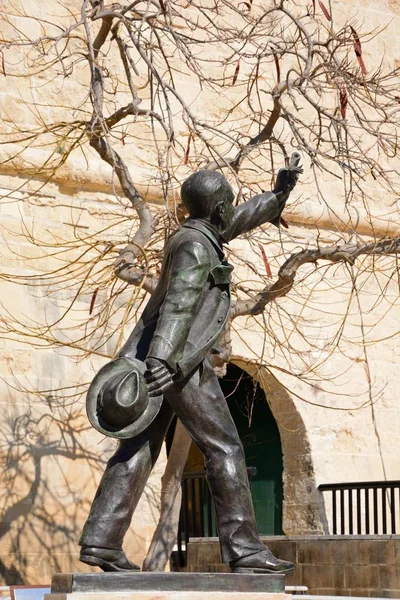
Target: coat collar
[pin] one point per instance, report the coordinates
(208, 230)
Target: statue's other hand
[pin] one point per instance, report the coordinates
(157, 376)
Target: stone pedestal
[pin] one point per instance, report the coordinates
(167, 586)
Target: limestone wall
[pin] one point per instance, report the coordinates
(334, 395)
(341, 420)
(51, 458)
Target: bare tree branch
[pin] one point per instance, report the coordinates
(287, 273)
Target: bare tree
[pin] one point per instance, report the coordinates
(268, 78)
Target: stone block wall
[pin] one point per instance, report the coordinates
(51, 459)
(367, 566)
(45, 489)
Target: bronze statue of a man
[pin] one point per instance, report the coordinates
(181, 323)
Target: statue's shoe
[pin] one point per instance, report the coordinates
(107, 559)
(262, 562)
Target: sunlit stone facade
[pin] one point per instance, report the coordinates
(341, 425)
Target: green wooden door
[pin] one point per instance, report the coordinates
(262, 445)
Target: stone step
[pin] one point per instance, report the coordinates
(168, 596)
(167, 586)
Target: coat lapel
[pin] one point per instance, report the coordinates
(202, 227)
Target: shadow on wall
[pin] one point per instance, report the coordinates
(51, 461)
(47, 469)
(303, 506)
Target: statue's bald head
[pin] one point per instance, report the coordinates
(203, 191)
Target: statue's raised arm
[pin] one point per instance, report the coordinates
(268, 206)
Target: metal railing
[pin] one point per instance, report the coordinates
(363, 508)
(197, 516)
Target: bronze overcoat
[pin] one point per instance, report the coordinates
(187, 311)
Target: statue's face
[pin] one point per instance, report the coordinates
(223, 214)
(228, 213)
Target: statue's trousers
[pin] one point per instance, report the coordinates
(202, 408)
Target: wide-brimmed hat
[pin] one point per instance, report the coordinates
(117, 402)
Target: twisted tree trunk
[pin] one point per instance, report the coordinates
(165, 534)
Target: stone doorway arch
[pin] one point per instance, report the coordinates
(303, 509)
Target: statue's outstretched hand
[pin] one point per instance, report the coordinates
(287, 178)
(294, 173)
(285, 182)
(157, 376)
